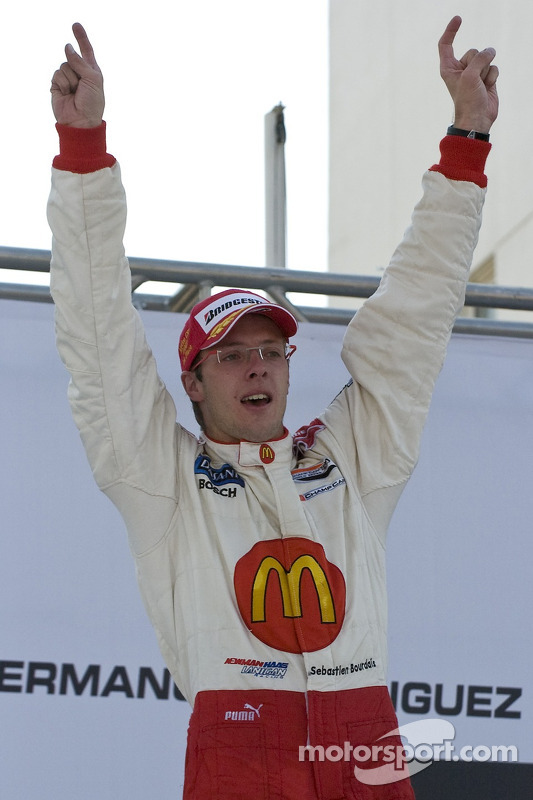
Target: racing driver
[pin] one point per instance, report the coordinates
(263, 548)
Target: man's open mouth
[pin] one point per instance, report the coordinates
(256, 399)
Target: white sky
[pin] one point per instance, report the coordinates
(187, 87)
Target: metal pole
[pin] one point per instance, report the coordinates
(275, 189)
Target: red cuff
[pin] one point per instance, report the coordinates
(82, 150)
(463, 159)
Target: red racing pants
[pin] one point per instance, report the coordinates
(251, 745)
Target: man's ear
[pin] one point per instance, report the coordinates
(193, 386)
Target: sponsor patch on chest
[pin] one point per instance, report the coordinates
(318, 472)
(221, 480)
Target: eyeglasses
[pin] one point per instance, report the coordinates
(237, 355)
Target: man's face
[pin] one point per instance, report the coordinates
(243, 402)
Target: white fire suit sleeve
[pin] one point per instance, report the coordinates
(395, 346)
(126, 418)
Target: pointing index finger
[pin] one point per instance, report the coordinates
(86, 49)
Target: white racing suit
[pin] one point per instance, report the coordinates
(262, 565)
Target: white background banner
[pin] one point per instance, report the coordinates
(86, 707)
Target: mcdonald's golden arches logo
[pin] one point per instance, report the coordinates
(266, 454)
(289, 595)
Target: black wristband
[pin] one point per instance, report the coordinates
(467, 134)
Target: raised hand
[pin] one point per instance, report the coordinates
(78, 85)
(471, 82)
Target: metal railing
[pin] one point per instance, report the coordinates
(198, 278)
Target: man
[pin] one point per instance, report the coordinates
(260, 556)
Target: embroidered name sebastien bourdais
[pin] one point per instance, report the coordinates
(343, 670)
(218, 478)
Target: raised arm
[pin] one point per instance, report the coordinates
(395, 346)
(78, 86)
(471, 82)
(125, 416)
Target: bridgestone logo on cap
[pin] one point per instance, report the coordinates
(210, 315)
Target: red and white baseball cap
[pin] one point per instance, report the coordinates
(213, 318)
